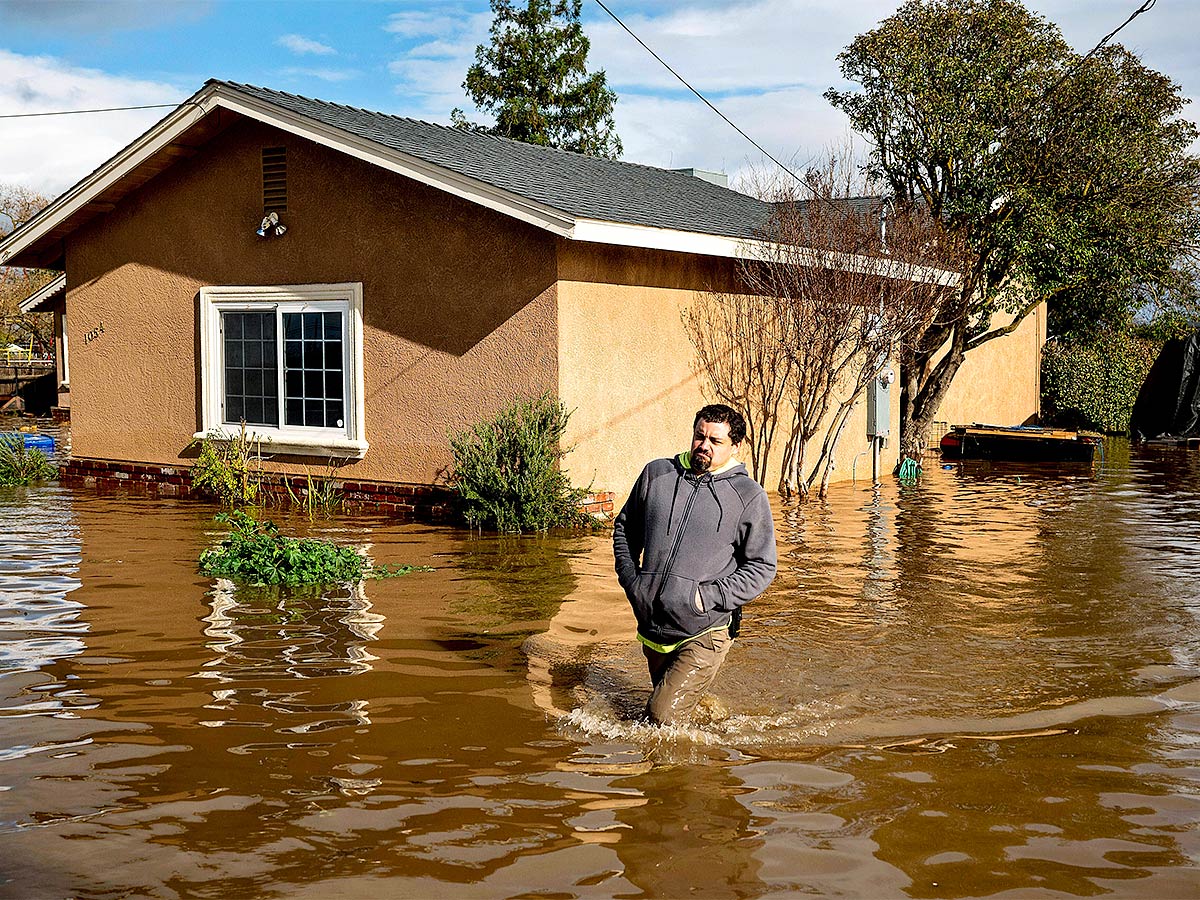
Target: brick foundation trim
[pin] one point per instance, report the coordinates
(420, 502)
(599, 504)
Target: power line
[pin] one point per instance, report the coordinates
(697, 93)
(78, 112)
(1144, 8)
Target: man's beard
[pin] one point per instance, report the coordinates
(701, 464)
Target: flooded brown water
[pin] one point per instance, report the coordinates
(985, 684)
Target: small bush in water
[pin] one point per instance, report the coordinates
(507, 474)
(21, 465)
(255, 552)
(229, 468)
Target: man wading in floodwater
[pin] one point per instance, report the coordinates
(693, 543)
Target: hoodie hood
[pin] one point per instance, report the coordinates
(685, 460)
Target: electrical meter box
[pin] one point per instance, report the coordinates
(879, 404)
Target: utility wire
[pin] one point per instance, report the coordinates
(682, 81)
(77, 112)
(1144, 8)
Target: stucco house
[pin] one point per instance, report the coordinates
(414, 278)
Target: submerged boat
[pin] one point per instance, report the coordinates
(1024, 443)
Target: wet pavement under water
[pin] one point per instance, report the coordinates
(983, 684)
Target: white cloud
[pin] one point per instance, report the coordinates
(429, 75)
(301, 45)
(793, 125)
(442, 50)
(739, 47)
(334, 76)
(51, 153)
(423, 23)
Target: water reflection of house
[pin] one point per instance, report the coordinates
(414, 279)
(264, 636)
(41, 624)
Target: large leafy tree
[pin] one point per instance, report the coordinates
(18, 204)
(1048, 174)
(533, 79)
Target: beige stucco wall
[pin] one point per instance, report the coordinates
(999, 383)
(625, 362)
(459, 303)
(627, 367)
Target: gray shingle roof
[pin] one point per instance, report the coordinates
(582, 186)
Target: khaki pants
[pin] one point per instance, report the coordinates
(680, 678)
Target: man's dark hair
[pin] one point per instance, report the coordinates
(718, 414)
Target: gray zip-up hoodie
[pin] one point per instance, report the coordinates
(679, 530)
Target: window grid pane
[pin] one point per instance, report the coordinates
(313, 367)
(251, 388)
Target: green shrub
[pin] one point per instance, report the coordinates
(507, 473)
(1094, 383)
(229, 468)
(321, 495)
(21, 465)
(255, 553)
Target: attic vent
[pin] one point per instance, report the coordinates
(274, 168)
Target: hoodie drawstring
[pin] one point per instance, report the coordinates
(671, 514)
(706, 478)
(720, 508)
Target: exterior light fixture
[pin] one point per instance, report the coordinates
(271, 223)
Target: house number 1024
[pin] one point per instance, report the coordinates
(94, 333)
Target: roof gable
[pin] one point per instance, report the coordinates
(571, 195)
(552, 189)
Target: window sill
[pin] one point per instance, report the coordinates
(294, 443)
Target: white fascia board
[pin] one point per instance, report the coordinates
(600, 232)
(880, 266)
(505, 202)
(643, 236)
(175, 124)
(42, 294)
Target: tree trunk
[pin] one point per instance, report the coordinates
(922, 394)
(831, 461)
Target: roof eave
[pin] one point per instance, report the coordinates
(38, 242)
(642, 236)
(45, 294)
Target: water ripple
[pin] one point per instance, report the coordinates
(39, 562)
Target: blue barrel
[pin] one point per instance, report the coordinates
(42, 442)
(33, 440)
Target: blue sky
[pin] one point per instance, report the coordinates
(764, 62)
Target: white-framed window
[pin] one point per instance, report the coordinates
(288, 361)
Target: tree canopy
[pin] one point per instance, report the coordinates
(1048, 174)
(533, 79)
(18, 205)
